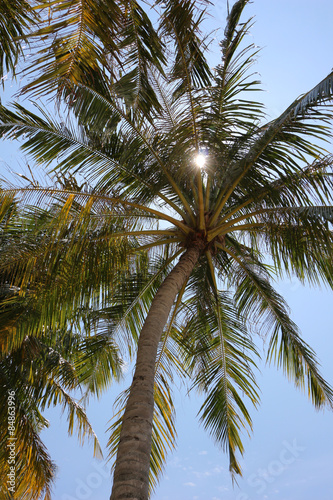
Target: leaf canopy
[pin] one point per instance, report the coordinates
(83, 257)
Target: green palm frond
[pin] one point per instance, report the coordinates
(34, 469)
(49, 269)
(78, 37)
(231, 110)
(141, 141)
(41, 373)
(306, 186)
(143, 50)
(132, 300)
(49, 141)
(299, 239)
(21, 374)
(257, 299)
(78, 422)
(16, 19)
(220, 358)
(181, 25)
(122, 165)
(276, 148)
(98, 362)
(105, 42)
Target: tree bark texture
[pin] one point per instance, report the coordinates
(131, 475)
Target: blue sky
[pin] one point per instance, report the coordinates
(290, 454)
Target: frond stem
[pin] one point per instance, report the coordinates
(153, 152)
(157, 243)
(113, 201)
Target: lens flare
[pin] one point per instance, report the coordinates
(200, 160)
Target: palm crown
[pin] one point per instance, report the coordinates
(154, 242)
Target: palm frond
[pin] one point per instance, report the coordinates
(143, 49)
(122, 168)
(220, 358)
(17, 18)
(92, 107)
(257, 299)
(278, 146)
(74, 43)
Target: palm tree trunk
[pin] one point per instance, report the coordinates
(133, 458)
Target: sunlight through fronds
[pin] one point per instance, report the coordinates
(164, 184)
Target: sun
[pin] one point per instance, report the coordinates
(200, 160)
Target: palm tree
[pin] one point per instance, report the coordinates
(42, 366)
(205, 201)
